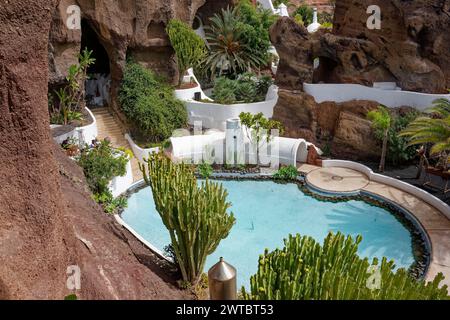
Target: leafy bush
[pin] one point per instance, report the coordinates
(307, 270)
(398, 150)
(205, 170)
(246, 88)
(101, 164)
(304, 14)
(286, 173)
(189, 47)
(150, 105)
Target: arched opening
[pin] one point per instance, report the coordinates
(99, 74)
(210, 8)
(323, 70)
(302, 152)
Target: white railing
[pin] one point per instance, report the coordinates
(140, 153)
(392, 98)
(83, 134)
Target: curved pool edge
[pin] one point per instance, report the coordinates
(430, 219)
(422, 230)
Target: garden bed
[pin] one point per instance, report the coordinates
(84, 131)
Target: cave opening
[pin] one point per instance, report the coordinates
(99, 75)
(208, 10)
(323, 70)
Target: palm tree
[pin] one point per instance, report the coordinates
(229, 52)
(433, 129)
(381, 121)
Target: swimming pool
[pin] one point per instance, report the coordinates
(266, 212)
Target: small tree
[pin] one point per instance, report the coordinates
(306, 270)
(381, 121)
(259, 127)
(71, 96)
(189, 48)
(196, 217)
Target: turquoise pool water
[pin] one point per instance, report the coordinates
(266, 212)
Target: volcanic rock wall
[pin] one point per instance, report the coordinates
(48, 220)
(411, 48)
(125, 28)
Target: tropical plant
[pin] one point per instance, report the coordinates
(306, 270)
(259, 127)
(433, 129)
(399, 151)
(304, 14)
(286, 173)
(238, 39)
(381, 121)
(149, 103)
(195, 216)
(246, 88)
(70, 97)
(189, 47)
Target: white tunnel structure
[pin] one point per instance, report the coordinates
(236, 147)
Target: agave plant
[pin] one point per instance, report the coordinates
(229, 51)
(433, 129)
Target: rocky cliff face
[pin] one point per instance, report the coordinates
(125, 28)
(411, 49)
(48, 220)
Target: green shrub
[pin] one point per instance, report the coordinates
(150, 105)
(399, 152)
(101, 164)
(205, 170)
(189, 48)
(247, 88)
(304, 14)
(286, 173)
(306, 270)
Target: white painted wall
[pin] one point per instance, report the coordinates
(406, 187)
(83, 134)
(140, 153)
(119, 185)
(391, 98)
(214, 115)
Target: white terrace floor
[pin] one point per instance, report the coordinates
(433, 221)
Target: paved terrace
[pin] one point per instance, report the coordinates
(435, 224)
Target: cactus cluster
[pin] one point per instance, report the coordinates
(195, 216)
(306, 270)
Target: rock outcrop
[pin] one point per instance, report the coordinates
(125, 28)
(411, 48)
(343, 126)
(48, 220)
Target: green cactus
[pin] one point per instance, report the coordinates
(196, 217)
(305, 270)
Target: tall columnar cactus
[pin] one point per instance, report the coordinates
(305, 270)
(196, 217)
